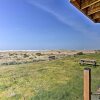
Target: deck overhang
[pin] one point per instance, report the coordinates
(91, 8)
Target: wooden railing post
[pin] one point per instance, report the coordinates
(87, 84)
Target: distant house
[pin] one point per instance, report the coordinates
(52, 58)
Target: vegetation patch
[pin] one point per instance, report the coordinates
(60, 79)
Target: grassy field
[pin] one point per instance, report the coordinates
(49, 80)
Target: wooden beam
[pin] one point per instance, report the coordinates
(96, 15)
(97, 20)
(93, 10)
(87, 84)
(75, 3)
(89, 3)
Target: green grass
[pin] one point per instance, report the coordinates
(52, 80)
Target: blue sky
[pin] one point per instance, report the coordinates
(45, 24)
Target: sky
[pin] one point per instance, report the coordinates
(45, 24)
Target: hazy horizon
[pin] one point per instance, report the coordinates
(50, 50)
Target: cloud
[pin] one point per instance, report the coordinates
(49, 10)
(68, 20)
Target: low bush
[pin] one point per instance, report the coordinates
(25, 55)
(38, 54)
(80, 53)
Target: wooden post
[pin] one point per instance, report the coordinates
(87, 84)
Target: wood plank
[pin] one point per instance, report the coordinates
(75, 3)
(96, 15)
(94, 9)
(97, 20)
(87, 84)
(89, 3)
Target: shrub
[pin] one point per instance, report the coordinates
(31, 58)
(26, 55)
(38, 54)
(97, 51)
(11, 54)
(80, 53)
(12, 63)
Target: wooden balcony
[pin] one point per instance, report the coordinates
(91, 8)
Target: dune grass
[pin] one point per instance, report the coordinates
(49, 80)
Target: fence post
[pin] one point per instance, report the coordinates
(87, 84)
